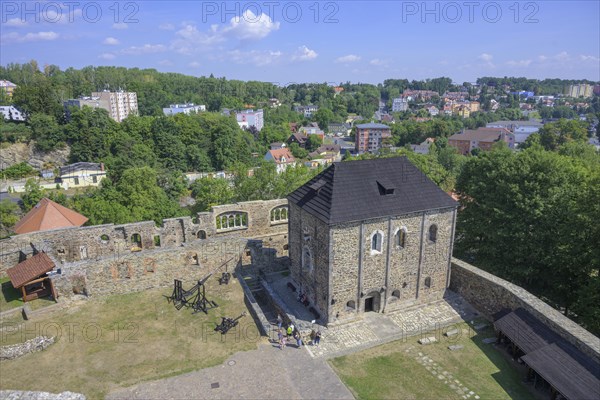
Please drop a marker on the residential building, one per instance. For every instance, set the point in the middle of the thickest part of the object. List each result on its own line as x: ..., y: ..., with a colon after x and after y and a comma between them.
x: 462, y: 110
x: 474, y: 106
x: 521, y: 129
x: 370, y: 236
x: 339, y: 129
x: 82, y: 174
x: 248, y: 118
x: 118, y: 104
x: 326, y: 154
x: 274, y: 103
x: 282, y: 158
x: 277, y: 145
x: 183, y: 108
x: 307, y: 111
x: 580, y: 90
x: 7, y: 87
x: 121, y: 104
x: 482, y: 138
x: 299, y: 138
x: 10, y: 113
x: 312, y: 130
x: 399, y: 104
x: 47, y: 215
x: 371, y: 137
x: 433, y: 110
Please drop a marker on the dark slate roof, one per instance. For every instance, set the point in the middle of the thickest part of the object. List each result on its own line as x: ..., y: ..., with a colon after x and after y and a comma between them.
x: 526, y: 331
x: 356, y: 190
x: 80, y: 166
x: 373, y: 125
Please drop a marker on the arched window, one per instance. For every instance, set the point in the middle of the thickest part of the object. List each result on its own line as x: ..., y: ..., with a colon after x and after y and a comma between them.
x: 396, y: 294
x: 232, y: 220
x: 136, y: 240
x: 201, y: 234
x: 351, y: 305
x: 279, y: 214
x: 400, y: 238
x: 307, y: 261
x: 428, y: 282
x: 433, y: 233
x: 376, y: 242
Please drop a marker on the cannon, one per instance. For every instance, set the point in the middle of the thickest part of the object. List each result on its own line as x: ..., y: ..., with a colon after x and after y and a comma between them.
x: 228, y: 323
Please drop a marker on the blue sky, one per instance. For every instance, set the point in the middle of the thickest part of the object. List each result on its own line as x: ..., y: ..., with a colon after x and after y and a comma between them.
x: 310, y: 41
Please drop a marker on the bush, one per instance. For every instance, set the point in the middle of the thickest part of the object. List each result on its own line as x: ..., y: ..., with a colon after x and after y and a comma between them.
x: 20, y: 170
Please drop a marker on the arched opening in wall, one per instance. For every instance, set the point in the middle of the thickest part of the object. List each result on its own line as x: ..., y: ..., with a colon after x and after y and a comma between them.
x: 307, y: 261
x: 279, y: 214
x: 395, y: 295
x: 156, y: 241
x: 351, y: 305
x: 433, y: 230
x: 400, y: 238
x: 286, y: 246
x: 201, y: 234
x: 372, y: 301
x: 376, y: 242
x: 428, y: 282
x: 231, y: 220
x: 136, y: 242
x: 104, y: 239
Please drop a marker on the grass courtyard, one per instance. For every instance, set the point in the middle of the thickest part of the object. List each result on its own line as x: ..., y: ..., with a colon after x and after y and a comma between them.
x: 391, y: 371
x: 117, y: 341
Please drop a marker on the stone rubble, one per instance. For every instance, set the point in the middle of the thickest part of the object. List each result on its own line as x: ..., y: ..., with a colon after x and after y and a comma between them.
x: 22, y: 395
x: 18, y: 350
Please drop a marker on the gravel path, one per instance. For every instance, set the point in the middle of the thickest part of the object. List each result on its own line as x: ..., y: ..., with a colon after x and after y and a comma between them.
x: 264, y: 373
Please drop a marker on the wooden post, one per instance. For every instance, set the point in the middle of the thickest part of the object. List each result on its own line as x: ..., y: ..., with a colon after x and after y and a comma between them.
x: 24, y: 293
x: 53, y: 290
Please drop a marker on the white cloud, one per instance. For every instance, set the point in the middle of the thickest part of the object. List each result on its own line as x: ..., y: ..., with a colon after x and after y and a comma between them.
x: 15, y: 37
x: 487, y: 60
x: 15, y: 22
x: 250, y: 26
x: 350, y: 58
x: 107, y: 56
x: 190, y: 40
x: 111, y: 41
x: 518, y: 63
x: 542, y: 58
x: 166, y: 63
x: 562, y: 56
x: 378, y: 62
x: 145, y: 49
x: 254, y: 57
x: 585, y: 58
x: 166, y: 27
x: 194, y: 64
x: 304, y: 54
x: 120, y: 25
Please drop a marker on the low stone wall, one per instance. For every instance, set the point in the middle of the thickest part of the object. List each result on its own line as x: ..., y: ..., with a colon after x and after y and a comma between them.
x: 490, y: 294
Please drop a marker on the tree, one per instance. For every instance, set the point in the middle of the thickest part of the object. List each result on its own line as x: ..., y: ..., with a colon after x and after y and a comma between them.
x: 313, y: 142
x: 46, y: 132
x: 324, y: 117
x: 33, y: 194
x: 8, y: 213
x: 209, y: 192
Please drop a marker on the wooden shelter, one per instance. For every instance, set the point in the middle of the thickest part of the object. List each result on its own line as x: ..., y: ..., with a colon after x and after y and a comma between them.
x: 31, y: 277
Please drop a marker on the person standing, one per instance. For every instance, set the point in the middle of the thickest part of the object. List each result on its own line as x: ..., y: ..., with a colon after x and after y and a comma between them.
x: 279, y: 321
x: 298, y: 339
x: 317, y: 337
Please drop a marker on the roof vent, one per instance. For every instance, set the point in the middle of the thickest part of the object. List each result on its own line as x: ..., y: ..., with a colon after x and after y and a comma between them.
x: 318, y: 185
x: 385, y: 186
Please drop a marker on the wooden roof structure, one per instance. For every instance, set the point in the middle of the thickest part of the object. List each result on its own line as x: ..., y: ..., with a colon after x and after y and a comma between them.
x: 569, y: 371
x: 30, y: 269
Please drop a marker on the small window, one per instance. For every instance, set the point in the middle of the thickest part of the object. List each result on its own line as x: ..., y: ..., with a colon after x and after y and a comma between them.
x: 396, y: 294
x: 307, y: 261
x: 376, y: 242
x: 136, y: 242
x: 428, y: 282
x: 156, y: 241
x: 351, y: 305
x: 104, y: 239
x: 400, y: 238
x: 433, y: 233
x: 76, y: 181
x: 201, y: 234
x: 94, y: 179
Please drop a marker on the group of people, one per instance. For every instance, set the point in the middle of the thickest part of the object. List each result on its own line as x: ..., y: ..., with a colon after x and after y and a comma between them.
x: 283, y: 335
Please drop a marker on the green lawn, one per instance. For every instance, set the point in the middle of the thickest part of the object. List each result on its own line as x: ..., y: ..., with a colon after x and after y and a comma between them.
x: 117, y: 341
x: 11, y: 297
x: 391, y: 371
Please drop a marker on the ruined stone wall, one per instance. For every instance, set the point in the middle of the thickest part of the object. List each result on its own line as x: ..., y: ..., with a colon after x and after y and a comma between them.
x: 309, y: 255
x: 105, y: 241
x: 137, y: 271
x: 490, y: 294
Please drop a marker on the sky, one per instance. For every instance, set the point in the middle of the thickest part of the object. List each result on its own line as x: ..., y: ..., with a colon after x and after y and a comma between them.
x: 311, y: 41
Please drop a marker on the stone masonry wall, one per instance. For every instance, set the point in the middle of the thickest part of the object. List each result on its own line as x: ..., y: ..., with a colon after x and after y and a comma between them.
x: 490, y: 294
x: 98, y: 242
x: 309, y: 256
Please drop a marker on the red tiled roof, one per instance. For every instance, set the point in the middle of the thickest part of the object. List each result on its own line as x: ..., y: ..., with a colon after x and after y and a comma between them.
x: 279, y: 153
x: 48, y: 215
x: 29, y: 269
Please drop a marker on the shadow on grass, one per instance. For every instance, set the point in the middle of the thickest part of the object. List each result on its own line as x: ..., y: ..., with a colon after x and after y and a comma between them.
x: 510, y: 374
x: 11, y: 297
